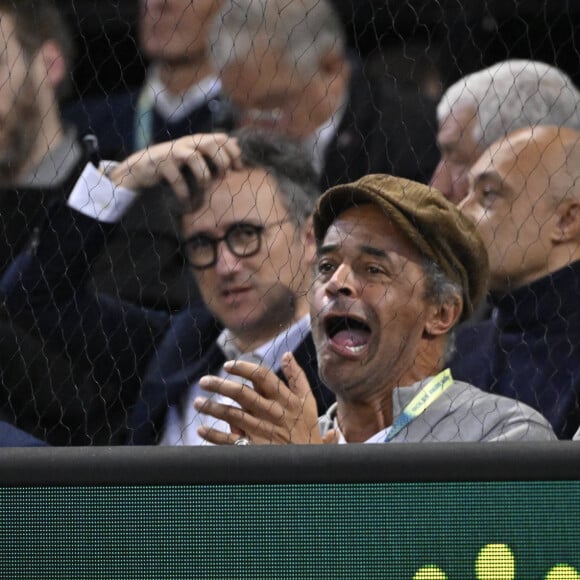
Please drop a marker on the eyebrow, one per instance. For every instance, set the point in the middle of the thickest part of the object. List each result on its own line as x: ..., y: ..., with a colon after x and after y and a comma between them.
x: 207, y: 233
x: 485, y: 176
x: 370, y: 250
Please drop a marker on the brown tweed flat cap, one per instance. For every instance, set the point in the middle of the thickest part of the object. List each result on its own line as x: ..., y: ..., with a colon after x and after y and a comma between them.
x: 434, y: 225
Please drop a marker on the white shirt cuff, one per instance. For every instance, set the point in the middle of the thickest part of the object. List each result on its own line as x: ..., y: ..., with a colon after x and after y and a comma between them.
x: 96, y: 196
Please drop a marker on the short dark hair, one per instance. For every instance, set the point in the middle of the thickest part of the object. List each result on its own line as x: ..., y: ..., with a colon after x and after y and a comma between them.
x: 288, y: 163
x: 36, y: 22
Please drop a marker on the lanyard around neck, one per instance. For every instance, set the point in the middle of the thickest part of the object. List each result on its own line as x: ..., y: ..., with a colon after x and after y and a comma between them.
x: 143, y: 129
x: 423, y: 399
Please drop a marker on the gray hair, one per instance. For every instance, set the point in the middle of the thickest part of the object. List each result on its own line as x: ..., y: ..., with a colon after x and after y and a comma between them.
x: 288, y: 163
x: 304, y: 30
x: 513, y: 94
x: 439, y: 290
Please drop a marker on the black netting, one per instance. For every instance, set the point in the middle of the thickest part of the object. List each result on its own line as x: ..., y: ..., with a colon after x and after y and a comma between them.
x: 136, y: 259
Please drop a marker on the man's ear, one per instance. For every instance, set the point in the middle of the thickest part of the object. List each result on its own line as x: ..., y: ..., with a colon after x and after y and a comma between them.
x: 567, y: 226
x: 54, y: 63
x: 443, y: 317
x: 309, y: 241
x: 332, y: 64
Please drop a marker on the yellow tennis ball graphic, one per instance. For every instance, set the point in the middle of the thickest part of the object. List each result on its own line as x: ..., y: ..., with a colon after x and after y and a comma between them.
x: 563, y: 572
x: 430, y: 573
x: 495, y: 562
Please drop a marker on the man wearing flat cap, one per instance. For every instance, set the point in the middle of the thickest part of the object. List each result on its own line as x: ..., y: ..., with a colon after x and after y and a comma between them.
x: 397, y: 267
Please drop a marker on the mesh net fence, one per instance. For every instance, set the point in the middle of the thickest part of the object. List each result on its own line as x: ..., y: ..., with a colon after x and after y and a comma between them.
x: 159, y: 163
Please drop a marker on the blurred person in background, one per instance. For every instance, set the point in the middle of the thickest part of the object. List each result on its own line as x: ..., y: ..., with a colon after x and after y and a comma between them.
x: 285, y: 66
x: 484, y: 106
x: 40, y: 160
x: 180, y: 94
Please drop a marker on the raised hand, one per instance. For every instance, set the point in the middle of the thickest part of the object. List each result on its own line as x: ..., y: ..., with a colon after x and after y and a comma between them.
x: 166, y: 161
x: 270, y: 413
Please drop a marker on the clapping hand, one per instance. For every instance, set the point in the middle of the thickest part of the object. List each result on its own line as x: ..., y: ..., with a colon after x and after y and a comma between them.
x: 270, y: 413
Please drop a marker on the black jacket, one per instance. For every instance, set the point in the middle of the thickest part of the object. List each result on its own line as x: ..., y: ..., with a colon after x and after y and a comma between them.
x: 383, y: 130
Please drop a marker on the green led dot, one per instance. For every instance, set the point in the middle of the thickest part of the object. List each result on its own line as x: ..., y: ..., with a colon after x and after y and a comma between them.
x: 495, y: 562
x: 430, y: 573
x: 563, y: 572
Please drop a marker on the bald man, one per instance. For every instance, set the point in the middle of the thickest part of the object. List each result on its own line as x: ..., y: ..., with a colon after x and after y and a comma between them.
x: 524, y: 198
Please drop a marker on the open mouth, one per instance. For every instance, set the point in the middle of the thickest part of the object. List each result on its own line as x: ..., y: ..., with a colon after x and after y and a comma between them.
x: 348, y: 333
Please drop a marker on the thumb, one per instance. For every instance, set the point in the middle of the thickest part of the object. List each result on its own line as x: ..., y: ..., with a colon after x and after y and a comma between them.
x: 331, y: 436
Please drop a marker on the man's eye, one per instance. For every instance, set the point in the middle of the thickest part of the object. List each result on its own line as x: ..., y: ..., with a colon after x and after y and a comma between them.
x: 488, y: 195
x: 241, y: 233
x: 199, y: 243
x: 325, y: 267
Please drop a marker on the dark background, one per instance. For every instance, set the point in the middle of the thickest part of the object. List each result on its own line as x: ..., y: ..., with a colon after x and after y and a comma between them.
x: 404, y: 36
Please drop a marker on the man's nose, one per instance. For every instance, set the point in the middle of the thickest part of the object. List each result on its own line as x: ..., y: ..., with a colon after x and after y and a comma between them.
x: 459, y: 186
x: 343, y: 281
x: 451, y: 180
x: 226, y: 261
x: 441, y: 179
x: 466, y: 206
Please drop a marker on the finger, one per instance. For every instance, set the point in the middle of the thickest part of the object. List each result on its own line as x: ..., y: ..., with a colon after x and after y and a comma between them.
x: 247, y: 398
x: 238, y: 432
x: 172, y: 174
x: 198, y: 167
x: 257, y: 430
x: 235, y: 417
x: 295, y: 375
x: 223, y: 151
x: 225, y: 156
x: 217, y: 437
x: 234, y: 153
x: 266, y: 382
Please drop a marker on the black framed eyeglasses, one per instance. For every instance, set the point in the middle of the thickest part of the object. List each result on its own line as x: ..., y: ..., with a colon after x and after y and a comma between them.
x: 242, y: 239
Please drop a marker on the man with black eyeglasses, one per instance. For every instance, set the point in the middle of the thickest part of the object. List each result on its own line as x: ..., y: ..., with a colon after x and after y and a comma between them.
x: 247, y: 235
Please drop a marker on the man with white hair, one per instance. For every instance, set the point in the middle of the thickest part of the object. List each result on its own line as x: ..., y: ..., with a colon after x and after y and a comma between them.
x: 284, y: 65
x: 485, y: 106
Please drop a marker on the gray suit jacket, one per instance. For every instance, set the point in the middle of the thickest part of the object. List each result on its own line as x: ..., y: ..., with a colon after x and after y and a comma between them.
x: 463, y: 413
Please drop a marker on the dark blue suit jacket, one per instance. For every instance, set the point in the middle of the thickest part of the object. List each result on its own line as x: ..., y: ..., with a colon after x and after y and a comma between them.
x: 144, y: 360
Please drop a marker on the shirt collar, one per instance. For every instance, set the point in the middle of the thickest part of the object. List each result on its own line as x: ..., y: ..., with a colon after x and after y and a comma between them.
x: 177, y: 107
x: 270, y: 353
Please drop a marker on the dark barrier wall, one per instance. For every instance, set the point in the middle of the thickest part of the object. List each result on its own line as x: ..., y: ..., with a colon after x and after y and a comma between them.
x: 421, y: 512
